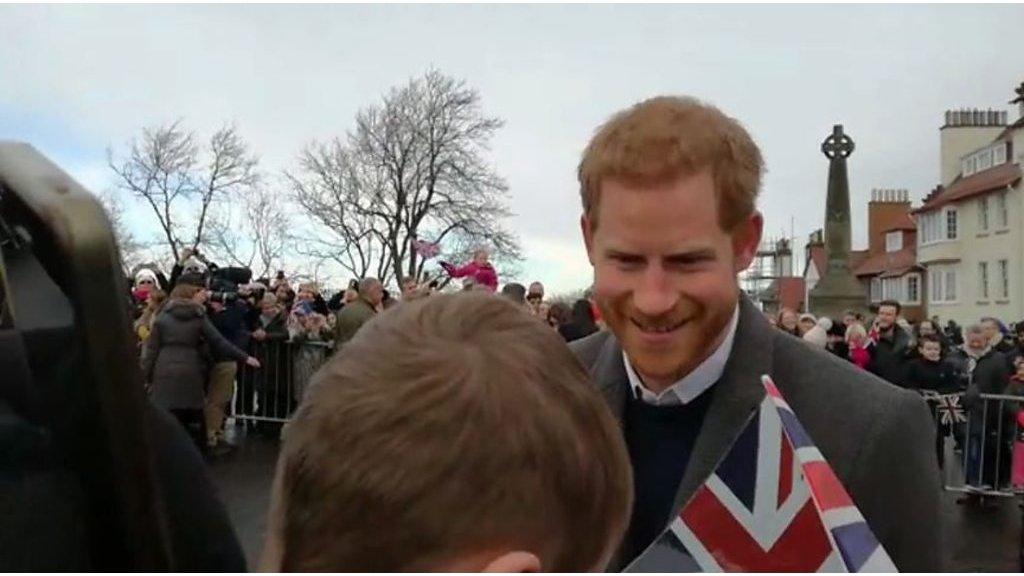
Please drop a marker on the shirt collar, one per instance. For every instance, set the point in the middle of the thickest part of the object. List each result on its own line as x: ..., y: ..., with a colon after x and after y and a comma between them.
x: 693, y: 384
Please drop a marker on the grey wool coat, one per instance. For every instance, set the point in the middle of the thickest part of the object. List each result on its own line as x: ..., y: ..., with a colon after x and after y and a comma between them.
x: 175, y: 360
x: 879, y: 439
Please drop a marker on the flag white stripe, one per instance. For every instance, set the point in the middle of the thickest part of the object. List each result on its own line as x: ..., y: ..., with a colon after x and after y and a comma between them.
x: 841, y: 517
x: 696, y: 548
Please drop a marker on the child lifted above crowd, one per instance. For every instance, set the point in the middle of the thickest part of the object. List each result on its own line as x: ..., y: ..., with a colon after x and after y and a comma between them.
x: 454, y: 433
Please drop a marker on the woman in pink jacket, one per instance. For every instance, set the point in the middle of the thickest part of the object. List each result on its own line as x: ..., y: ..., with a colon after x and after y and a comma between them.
x: 480, y: 270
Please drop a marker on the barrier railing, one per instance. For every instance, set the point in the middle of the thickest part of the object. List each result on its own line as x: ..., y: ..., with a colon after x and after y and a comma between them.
x: 979, y: 444
x: 272, y: 392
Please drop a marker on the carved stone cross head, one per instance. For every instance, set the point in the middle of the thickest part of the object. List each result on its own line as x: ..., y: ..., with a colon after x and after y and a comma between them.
x: 837, y: 144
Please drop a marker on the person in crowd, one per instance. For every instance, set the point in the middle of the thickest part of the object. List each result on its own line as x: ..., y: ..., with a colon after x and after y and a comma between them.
x: 309, y: 336
x: 818, y: 334
x: 270, y: 340
x: 359, y: 311
x: 669, y: 220
x: 859, y: 348
x: 515, y: 292
x: 452, y: 485
x: 413, y: 290
x: 535, y: 299
x: 310, y: 292
x: 929, y: 371
x: 837, y: 341
x: 892, y: 345
x: 930, y: 328
x: 285, y: 295
x: 932, y: 376
x: 582, y: 323
x: 954, y: 334
x: 807, y: 321
x: 173, y: 360
x: 155, y: 300
x: 229, y: 316
x: 145, y: 282
x: 850, y: 317
x: 988, y: 373
x: 789, y: 322
x: 559, y: 314
x: 479, y: 270
x: 997, y: 335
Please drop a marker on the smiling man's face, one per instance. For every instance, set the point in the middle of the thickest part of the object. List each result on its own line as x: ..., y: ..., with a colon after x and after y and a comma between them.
x: 665, y: 272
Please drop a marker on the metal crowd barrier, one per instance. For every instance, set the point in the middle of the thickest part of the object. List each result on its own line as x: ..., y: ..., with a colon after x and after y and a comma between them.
x: 272, y: 392
x: 979, y: 444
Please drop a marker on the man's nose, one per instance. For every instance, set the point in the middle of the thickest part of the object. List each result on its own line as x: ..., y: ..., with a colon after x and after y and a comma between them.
x: 655, y: 295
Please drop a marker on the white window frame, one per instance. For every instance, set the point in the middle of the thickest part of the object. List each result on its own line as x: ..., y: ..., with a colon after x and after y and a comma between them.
x: 942, y: 288
x: 1004, y: 279
x: 935, y: 276
x: 1002, y: 211
x: 949, y: 285
x: 912, y: 296
x: 894, y: 241
x: 983, y: 281
x: 892, y: 289
x: 999, y: 154
x: 950, y: 233
x: 876, y: 289
x: 983, y: 214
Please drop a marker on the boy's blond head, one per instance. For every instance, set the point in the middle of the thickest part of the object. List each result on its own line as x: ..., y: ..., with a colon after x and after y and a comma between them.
x: 451, y: 426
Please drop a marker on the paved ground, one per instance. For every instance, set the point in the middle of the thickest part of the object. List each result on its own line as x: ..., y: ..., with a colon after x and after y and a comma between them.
x: 976, y: 539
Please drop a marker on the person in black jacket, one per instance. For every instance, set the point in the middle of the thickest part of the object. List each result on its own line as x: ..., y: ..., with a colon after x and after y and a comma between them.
x: 934, y: 377
x: 989, y: 374
x: 892, y: 345
x: 582, y: 323
x: 271, y: 346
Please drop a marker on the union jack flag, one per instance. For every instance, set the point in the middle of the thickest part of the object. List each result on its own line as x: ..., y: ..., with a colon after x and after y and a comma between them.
x: 426, y: 249
x: 772, y: 505
x: 947, y: 406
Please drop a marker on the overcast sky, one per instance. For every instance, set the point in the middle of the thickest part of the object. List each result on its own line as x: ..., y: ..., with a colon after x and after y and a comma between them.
x: 75, y: 80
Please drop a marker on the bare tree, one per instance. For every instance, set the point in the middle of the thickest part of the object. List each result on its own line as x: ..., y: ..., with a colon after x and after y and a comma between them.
x: 413, y: 168
x: 181, y: 183
x: 128, y: 245
x: 256, y: 238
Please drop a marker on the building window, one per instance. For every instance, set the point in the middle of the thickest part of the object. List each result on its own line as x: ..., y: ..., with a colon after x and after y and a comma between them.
x: 983, y: 280
x: 913, y: 289
x: 876, y: 289
x: 942, y: 282
x: 983, y: 214
x: 951, y: 224
x: 1002, y: 211
x: 1004, y: 279
x: 1000, y: 154
x: 892, y: 289
x: 935, y: 227
x: 894, y: 241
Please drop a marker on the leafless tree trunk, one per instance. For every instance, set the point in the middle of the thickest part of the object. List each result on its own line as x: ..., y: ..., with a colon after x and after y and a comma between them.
x: 182, y: 185
x: 414, y: 167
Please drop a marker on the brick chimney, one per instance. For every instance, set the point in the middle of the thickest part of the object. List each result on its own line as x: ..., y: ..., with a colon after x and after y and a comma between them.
x: 888, y: 209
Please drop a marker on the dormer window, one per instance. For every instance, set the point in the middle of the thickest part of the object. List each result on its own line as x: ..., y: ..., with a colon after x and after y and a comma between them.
x: 894, y: 241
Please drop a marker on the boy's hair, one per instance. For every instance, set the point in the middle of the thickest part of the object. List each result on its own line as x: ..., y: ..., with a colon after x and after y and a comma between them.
x: 451, y: 426
x: 925, y: 338
x: 667, y: 137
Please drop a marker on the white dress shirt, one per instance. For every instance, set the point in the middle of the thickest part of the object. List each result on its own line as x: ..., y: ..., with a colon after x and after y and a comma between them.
x: 693, y: 384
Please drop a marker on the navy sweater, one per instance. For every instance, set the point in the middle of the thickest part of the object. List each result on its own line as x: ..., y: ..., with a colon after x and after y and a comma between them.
x: 660, y: 440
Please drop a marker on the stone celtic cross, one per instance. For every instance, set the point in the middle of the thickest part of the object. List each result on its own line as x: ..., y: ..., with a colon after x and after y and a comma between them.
x: 837, y: 144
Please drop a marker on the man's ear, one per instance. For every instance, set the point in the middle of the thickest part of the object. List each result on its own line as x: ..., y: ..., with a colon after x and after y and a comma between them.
x: 513, y: 562
x: 746, y: 237
x: 588, y: 237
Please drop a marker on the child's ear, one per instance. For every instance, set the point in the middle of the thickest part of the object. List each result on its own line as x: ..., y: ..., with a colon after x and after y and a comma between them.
x: 512, y: 562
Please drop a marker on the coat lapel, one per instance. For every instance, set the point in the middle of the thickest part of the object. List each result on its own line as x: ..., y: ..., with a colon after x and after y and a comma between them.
x: 736, y: 395
x: 609, y: 372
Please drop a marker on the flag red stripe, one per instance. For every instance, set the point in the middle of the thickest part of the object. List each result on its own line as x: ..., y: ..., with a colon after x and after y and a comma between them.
x: 825, y: 486
x: 785, y: 470
x: 802, y: 547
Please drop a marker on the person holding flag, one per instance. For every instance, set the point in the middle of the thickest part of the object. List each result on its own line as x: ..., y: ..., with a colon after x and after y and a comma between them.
x: 669, y: 220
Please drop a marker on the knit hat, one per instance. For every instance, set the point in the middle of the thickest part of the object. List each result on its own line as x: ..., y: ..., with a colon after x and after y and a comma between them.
x: 145, y: 274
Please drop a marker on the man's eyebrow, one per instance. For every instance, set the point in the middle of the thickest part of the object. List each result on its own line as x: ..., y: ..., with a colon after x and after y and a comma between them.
x: 688, y: 257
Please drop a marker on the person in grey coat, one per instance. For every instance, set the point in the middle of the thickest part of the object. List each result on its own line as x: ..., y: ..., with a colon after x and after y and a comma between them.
x: 669, y: 192
x: 175, y: 361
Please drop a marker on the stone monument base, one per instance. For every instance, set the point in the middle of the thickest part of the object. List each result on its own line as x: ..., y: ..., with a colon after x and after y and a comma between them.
x: 834, y: 295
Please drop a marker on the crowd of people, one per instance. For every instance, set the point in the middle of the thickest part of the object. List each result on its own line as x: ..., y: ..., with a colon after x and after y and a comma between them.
x: 209, y: 336
x: 984, y: 358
